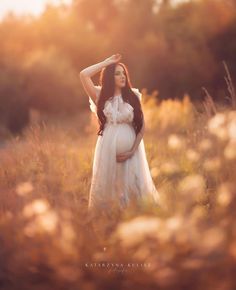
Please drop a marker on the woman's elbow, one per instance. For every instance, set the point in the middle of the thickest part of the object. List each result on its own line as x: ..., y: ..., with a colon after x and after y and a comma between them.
x: 82, y: 74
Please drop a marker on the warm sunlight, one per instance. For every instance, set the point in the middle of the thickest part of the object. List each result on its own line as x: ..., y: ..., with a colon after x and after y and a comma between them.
x: 117, y: 144
x: 26, y: 6
x: 179, y: 1
x: 37, y: 6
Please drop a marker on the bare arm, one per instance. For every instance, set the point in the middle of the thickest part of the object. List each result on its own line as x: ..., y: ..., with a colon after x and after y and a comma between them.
x: 124, y: 156
x: 139, y: 137
x: 88, y: 72
x: 141, y: 132
x: 85, y: 77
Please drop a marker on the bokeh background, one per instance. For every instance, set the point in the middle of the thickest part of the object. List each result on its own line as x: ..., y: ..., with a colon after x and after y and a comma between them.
x: 181, y: 56
x: 175, y: 47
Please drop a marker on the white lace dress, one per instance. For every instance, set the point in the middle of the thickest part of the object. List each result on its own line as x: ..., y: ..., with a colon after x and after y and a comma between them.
x: 114, y: 181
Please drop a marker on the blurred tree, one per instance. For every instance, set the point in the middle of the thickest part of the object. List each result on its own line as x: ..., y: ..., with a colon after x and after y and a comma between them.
x: 175, y: 49
x: 98, y: 14
x: 53, y: 83
x: 14, y: 102
x: 227, y: 51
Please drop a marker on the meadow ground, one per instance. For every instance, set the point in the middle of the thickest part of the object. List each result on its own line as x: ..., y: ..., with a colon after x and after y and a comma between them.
x: 47, y: 241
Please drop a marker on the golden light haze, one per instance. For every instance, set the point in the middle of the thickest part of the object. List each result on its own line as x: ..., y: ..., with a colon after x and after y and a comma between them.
x: 36, y: 7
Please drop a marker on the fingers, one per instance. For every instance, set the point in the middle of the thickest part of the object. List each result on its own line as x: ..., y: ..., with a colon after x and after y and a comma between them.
x: 121, y: 155
x: 124, y: 154
x: 123, y: 160
x: 118, y: 56
x: 120, y: 159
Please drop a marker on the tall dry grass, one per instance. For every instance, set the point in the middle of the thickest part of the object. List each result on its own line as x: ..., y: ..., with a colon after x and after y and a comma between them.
x: 47, y: 242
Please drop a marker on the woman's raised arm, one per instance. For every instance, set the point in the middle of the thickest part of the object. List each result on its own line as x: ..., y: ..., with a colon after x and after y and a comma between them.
x: 85, y: 77
x: 88, y: 72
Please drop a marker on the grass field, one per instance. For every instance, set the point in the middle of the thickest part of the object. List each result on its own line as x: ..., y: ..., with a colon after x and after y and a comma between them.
x: 47, y: 241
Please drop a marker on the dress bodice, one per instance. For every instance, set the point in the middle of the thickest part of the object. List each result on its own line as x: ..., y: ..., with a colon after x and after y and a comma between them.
x: 116, y: 109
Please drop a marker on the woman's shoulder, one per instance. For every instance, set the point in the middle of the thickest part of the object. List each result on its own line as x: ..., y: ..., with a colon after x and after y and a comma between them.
x: 137, y: 92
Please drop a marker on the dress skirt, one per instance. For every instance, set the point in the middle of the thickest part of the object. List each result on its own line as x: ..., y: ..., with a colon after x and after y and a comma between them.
x: 116, y: 183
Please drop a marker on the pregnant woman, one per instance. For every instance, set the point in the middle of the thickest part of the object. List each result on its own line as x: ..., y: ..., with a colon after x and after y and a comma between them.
x: 120, y: 168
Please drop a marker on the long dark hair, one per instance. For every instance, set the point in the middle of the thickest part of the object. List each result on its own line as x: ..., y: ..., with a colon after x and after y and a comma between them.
x: 107, y: 83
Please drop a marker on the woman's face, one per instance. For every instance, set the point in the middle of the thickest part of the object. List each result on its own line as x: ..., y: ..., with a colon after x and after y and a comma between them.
x: 120, y: 77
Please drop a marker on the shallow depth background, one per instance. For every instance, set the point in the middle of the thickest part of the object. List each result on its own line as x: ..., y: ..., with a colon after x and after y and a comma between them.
x: 182, y: 60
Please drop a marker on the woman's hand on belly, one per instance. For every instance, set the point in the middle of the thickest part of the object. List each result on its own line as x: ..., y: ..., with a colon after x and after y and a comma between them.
x: 124, y: 156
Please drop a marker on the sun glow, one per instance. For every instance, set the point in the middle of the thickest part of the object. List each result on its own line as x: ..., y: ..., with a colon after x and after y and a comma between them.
x: 36, y: 7
x: 20, y: 7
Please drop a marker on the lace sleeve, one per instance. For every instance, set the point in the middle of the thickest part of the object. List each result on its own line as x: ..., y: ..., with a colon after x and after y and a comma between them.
x: 138, y: 93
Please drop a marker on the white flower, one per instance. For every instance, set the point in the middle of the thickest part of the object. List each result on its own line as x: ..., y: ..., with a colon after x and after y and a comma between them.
x: 136, y: 230
x: 175, y: 142
x: 192, y: 186
x: 230, y: 150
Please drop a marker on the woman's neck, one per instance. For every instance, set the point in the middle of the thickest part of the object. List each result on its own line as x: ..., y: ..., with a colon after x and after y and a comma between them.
x: 117, y: 92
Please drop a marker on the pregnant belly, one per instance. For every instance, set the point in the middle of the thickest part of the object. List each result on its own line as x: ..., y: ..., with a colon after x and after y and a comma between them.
x: 125, y: 138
